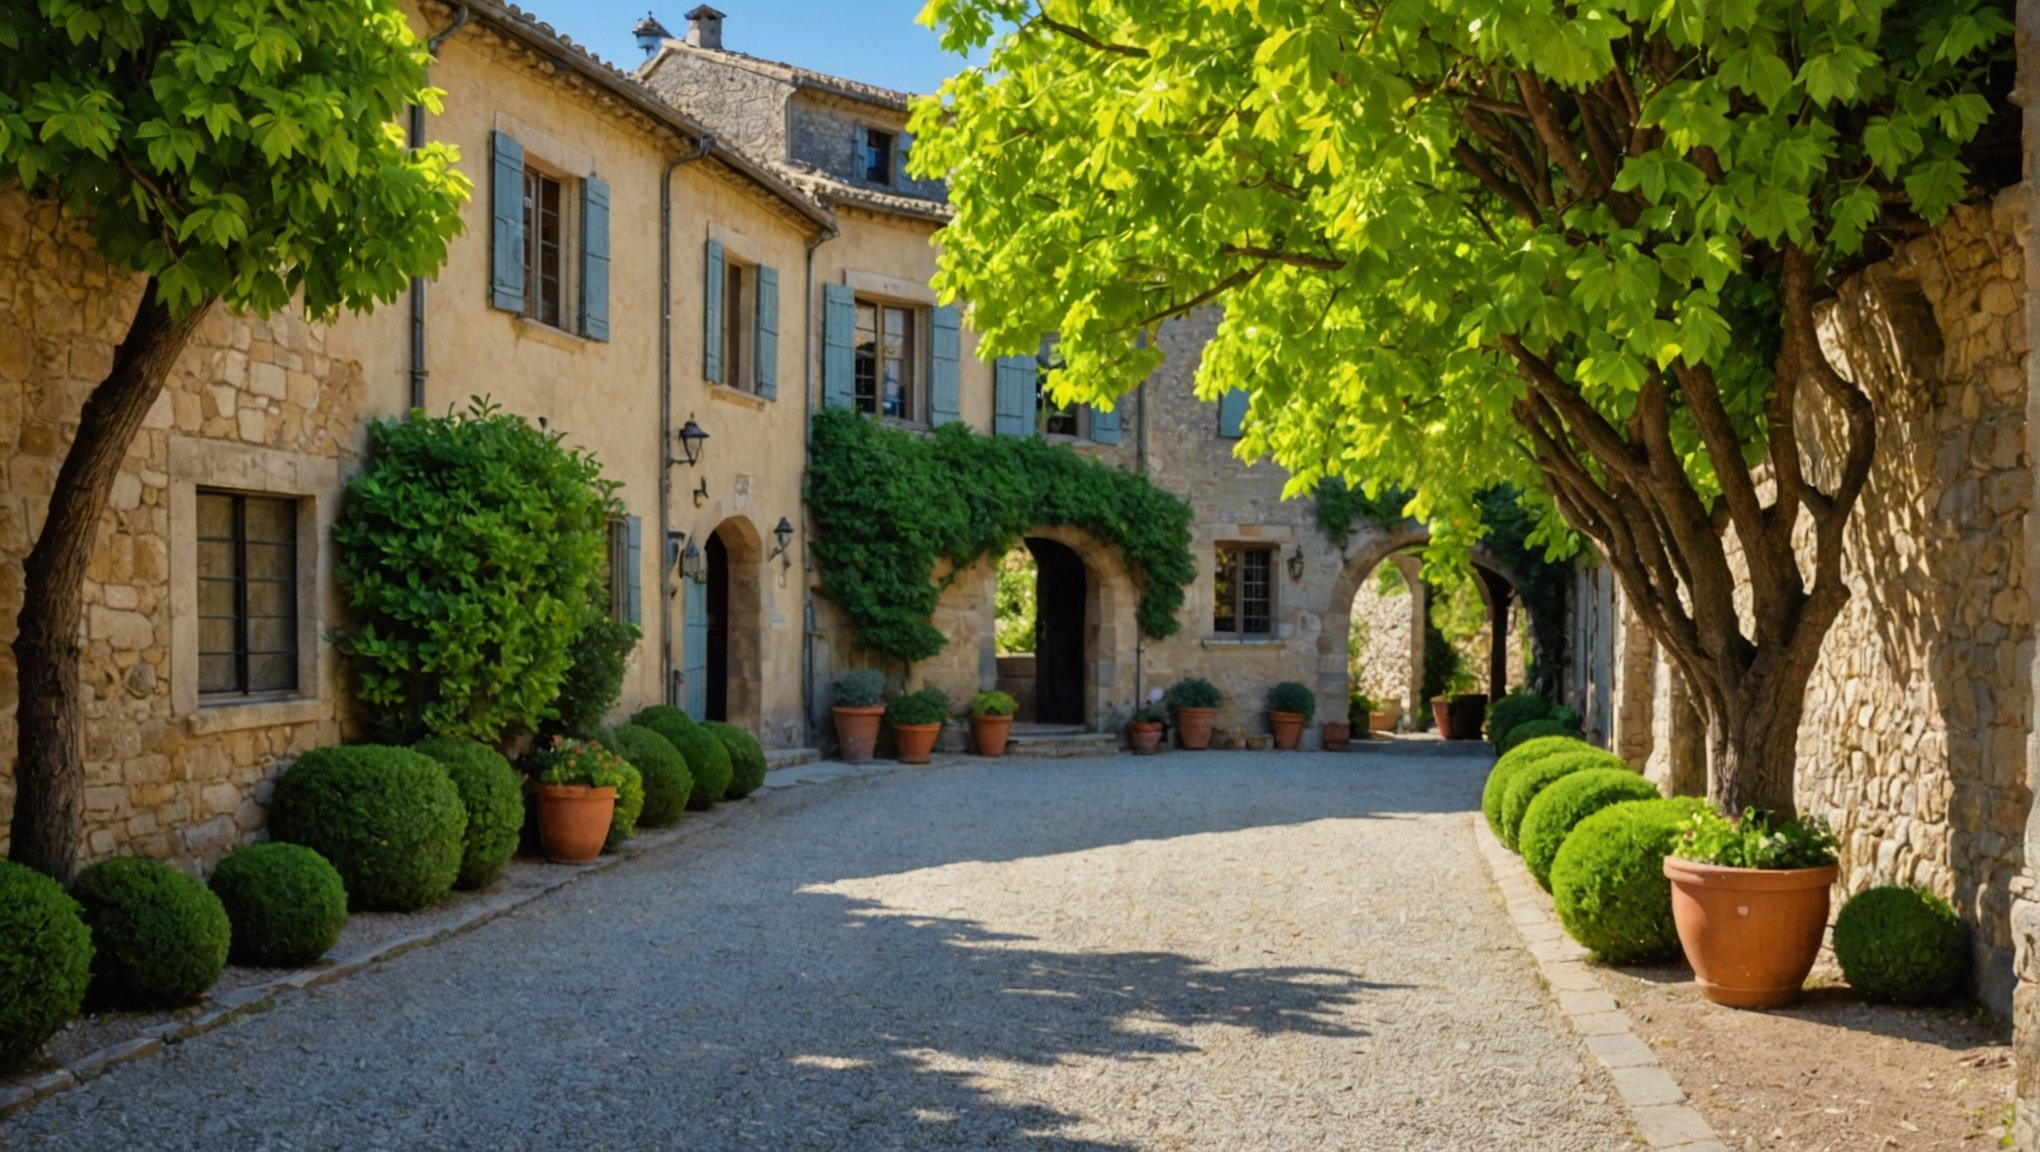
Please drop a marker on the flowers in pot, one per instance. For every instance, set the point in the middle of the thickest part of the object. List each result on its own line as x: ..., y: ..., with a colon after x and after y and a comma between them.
x: 916, y: 720
x: 576, y: 783
x: 857, y: 701
x: 1145, y: 729
x: 1290, y: 707
x: 1750, y: 899
x: 1195, y: 702
x: 991, y: 721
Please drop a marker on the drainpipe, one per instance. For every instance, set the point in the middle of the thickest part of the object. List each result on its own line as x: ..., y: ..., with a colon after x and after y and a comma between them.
x: 1141, y: 439
x: 418, y: 373
x: 807, y: 433
x: 664, y: 455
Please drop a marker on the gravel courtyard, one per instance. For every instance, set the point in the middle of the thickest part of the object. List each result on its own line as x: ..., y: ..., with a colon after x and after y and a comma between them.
x: 1231, y: 951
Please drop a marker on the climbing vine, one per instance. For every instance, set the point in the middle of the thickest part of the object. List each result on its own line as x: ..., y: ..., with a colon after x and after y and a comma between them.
x: 890, y: 506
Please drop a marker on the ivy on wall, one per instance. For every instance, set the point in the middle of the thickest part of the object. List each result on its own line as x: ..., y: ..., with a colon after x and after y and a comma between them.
x: 891, y: 505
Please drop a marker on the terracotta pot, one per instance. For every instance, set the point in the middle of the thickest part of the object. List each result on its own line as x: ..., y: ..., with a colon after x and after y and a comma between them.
x: 857, y: 731
x: 1383, y: 721
x: 1288, y: 729
x: 573, y: 820
x: 1469, y: 714
x: 1193, y: 727
x: 1146, y: 737
x: 1751, y: 934
x: 990, y: 734
x: 1441, y: 717
x: 916, y: 741
x: 1338, y: 735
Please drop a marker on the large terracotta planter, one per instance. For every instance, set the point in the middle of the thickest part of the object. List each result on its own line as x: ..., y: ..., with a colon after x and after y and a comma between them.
x: 1751, y: 934
x: 1469, y: 715
x: 573, y: 820
x: 1338, y: 735
x: 1441, y: 717
x: 1288, y: 729
x: 1382, y: 721
x: 990, y: 734
x: 1193, y: 727
x: 1145, y: 736
x: 916, y: 741
x: 857, y: 731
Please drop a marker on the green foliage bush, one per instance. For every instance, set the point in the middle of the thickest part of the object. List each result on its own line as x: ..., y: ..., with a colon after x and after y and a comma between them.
x: 1903, y: 946
x: 594, y: 678
x: 286, y: 904
x: 666, y: 778
x: 389, y: 820
x: 45, y: 961
x: 709, y: 762
x: 993, y: 704
x: 1534, y: 729
x: 1289, y: 696
x: 928, y: 706
x: 859, y: 688
x: 630, y: 802
x: 1535, y: 778
x: 890, y: 505
x: 747, y: 759
x: 1518, y: 707
x: 1193, y: 692
x: 1516, y: 759
x: 492, y: 795
x: 666, y: 721
x: 1564, y: 803
x: 472, y: 550
x: 159, y: 937
x: 1753, y: 841
x: 1608, y: 880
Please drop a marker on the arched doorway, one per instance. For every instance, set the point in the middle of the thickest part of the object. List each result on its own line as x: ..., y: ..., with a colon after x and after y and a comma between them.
x: 717, y: 704
x: 725, y: 628
x: 1061, y: 635
x: 1063, y: 625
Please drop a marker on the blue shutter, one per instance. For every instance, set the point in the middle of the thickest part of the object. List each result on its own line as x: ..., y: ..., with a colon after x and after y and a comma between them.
x: 1015, y: 379
x: 506, y: 230
x: 945, y: 403
x: 711, y: 337
x: 1105, y: 425
x: 635, y: 596
x: 594, y: 259
x: 694, y: 648
x: 1232, y: 413
x: 839, y: 346
x: 765, y: 361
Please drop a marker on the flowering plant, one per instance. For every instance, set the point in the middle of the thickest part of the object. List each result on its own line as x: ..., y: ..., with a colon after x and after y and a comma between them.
x: 564, y: 760
x: 1752, y: 841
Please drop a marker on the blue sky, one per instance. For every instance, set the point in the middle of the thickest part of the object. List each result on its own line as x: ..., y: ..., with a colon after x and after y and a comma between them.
x: 875, y: 41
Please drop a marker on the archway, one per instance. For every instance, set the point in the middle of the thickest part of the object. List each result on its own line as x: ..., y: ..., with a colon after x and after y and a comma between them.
x: 1062, y: 618
x: 733, y: 645
x: 1061, y: 637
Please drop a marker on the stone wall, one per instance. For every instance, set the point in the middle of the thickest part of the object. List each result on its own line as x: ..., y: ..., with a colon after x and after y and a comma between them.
x: 827, y: 133
x: 1386, y: 621
x: 746, y: 106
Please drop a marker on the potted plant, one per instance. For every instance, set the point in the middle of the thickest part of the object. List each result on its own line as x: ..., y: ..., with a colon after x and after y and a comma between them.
x: 575, y: 785
x: 1145, y: 730
x: 991, y: 721
x: 1459, y: 711
x: 1336, y: 735
x: 1750, y: 900
x: 1290, y: 707
x: 858, y: 701
x: 1195, y: 702
x: 916, y: 720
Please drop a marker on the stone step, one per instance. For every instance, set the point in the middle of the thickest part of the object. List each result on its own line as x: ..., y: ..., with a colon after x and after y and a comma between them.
x: 1061, y: 745
x: 780, y: 758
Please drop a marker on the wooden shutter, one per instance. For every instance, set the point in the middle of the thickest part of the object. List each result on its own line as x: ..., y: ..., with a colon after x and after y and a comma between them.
x: 594, y: 259
x: 1232, y: 413
x: 694, y: 647
x: 506, y: 230
x: 711, y: 337
x: 765, y: 360
x: 1105, y: 425
x: 839, y: 345
x: 634, y: 567
x: 1014, y: 381
x: 945, y: 365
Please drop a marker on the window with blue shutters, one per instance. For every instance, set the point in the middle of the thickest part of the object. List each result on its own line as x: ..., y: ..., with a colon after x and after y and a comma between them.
x: 945, y: 363
x: 1232, y: 413
x: 1105, y: 425
x: 1016, y: 383
x: 506, y: 224
x: 765, y: 358
x: 594, y: 259
x: 839, y: 345
x: 626, y: 567
x: 714, y: 306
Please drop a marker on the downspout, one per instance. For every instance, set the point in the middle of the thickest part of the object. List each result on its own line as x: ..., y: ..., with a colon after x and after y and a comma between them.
x: 418, y: 372
x: 807, y: 434
x: 669, y: 687
x: 1140, y: 637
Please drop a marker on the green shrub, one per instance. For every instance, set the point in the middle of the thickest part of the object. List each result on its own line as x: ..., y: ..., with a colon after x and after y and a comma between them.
x: 630, y: 801
x: 862, y: 688
x: 1752, y: 841
x: 1534, y: 730
x: 928, y: 706
x: 1289, y: 696
x: 388, y: 819
x: 1360, y: 709
x: 710, y: 764
x: 594, y: 678
x: 287, y: 905
x: 492, y: 795
x: 747, y: 759
x: 666, y: 778
x: 666, y: 721
x: 1518, y: 707
x: 45, y: 962
x: 1193, y: 692
x: 1535, y: 778
x: 1505, y: 769
x: 1903, y: 946
x: 1608, y: 881
x: 159, y: 937
x: 1567, y: 802
x: 993, y: 704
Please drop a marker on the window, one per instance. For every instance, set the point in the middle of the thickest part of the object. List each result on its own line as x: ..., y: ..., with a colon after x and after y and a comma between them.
x: 545, y: 257
x: 247, y: 594
x: 878, y: 156
x: 735, y: 328
x: 885, y: 373
x: 621, y: 572
x: 1050, y: 418
x: 1244, y: 591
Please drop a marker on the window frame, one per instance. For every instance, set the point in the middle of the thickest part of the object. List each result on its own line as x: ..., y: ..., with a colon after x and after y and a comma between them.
x: 739, y: 324
x: 914, y: 375
x: 566, y: 248
x: 1229, y: 590
x: 1045, y: 413
x: 891, y: 158
x: 241, y: 617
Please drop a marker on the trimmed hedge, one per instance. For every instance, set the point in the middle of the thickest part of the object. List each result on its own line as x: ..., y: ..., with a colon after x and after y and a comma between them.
x: 671, y: 723
x: 1903, y: 946
x: 492, y: 794
x: 286, y: 903
x: 667, y: 781
x: 1535, y: 778
x: 159, y: 937
x: 1608, y: 882
x: 1516, y: 760
x: 1535, y: 729
x: 630, y: 802
x: 1564, y: 804
x: 709, y: 761
x: 389, y: 820
x: 747, y: 759
x: 1504, y: 715
x: 45, y: 961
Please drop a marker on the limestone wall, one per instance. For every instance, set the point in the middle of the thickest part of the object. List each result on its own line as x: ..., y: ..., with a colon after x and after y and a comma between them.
x: 1385, y: 623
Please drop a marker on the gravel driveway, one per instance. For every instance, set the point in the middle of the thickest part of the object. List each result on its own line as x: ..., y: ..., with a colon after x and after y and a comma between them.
x: 1232, y: 951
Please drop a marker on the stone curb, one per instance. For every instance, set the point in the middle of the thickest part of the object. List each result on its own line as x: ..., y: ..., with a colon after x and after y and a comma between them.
x: 228, y: 1007
x: 1664, y: 1118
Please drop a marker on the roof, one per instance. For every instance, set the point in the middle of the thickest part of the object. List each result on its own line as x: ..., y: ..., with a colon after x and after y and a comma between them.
x: 650, y: 26
x: 836, y: 190
x: 801, y: 78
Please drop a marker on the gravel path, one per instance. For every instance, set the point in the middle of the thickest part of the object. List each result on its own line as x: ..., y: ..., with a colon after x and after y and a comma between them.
x: 1231, y: 951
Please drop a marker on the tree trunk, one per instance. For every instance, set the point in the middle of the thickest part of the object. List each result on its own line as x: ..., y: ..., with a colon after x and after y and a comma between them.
x: 49, y: 766
x: 1753, y: 746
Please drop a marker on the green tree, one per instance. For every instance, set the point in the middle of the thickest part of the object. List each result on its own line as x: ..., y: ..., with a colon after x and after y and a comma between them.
x: 1572, y: 247
x: 229, y: 152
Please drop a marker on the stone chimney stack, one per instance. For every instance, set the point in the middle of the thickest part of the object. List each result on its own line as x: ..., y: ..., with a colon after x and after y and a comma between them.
x: 704, y: 28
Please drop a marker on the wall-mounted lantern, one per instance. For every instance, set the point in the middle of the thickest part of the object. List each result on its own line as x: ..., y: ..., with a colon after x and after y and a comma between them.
x: 784, y: 534
x: 692, y: 438
x: 1296, y: 565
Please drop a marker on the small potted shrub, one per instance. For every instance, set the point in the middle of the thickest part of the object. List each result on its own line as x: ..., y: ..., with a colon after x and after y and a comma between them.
x: 916, y: 720
x: 576, y: 784
x: 991, y: 721
x: 1290, y: 707
x: 1195, y: 703
x: 858, y: 702
x: 1145, y: 730
x: 1750, y: 899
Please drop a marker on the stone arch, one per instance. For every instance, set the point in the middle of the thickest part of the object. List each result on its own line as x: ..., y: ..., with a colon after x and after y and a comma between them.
x: 736, y: 601
x: 1110, y: 623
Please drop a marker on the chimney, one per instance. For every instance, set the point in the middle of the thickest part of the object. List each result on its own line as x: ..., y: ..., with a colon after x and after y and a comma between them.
x: 704, y: 28
x: 650, y: 34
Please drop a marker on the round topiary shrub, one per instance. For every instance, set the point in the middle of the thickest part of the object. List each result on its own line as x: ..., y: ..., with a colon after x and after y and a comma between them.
x: 1535, y: 778
x: 388, y: 819
x: 492, y: 795
x: 1903, y: 946
x: 45, y: 961
x: 1608, y: 881
x: 1518, y: 758
x: 747, y: 759
x: 1533, y: 730
x: 159, y: 937
x: 287, y: 905
x: 709, y: 762
x: 1517, y: 708
x: 630, y: 802
x: 1564, y: 804
x: 667, y: 781
x: 671, y: 723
